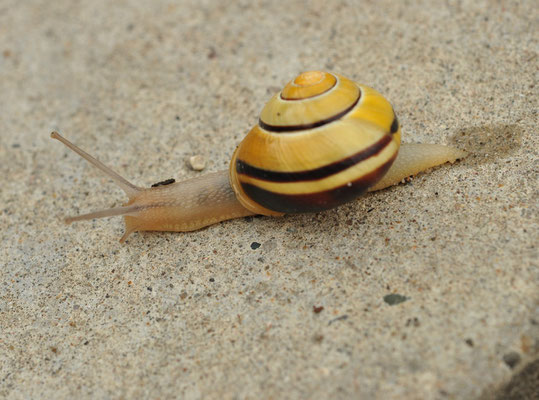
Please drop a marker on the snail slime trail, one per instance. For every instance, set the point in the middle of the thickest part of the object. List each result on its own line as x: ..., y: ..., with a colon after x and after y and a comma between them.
x: 350, y: 130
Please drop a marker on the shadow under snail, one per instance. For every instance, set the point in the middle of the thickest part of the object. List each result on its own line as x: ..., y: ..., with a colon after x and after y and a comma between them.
x: 320, y: 142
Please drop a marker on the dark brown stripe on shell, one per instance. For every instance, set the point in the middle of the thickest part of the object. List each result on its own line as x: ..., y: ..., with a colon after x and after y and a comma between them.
x: 394, y: 125
x: 310, y: 97
x: 314, y: 202
x: 303, y: 127
x: 314, y: 174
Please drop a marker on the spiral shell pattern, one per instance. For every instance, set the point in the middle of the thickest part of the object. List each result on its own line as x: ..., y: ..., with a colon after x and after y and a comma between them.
x: 320, y: 142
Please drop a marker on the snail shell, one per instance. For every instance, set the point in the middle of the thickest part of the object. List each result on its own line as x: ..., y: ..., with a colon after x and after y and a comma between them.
x: 321, y: 142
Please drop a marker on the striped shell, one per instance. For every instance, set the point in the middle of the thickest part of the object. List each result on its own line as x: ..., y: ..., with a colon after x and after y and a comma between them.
x: 321, y: 142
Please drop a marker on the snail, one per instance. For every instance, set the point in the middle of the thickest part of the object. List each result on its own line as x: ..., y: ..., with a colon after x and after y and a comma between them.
x: 320, y: 142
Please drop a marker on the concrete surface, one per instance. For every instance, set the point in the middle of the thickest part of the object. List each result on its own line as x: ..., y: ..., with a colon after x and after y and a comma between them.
x: 146, y: 85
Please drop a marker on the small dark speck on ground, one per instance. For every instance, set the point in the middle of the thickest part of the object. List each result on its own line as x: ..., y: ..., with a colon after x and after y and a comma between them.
x: 341, y: 318
x: 511, y: 359
x: 413, y: 322
x: 212, y: 53
x: 255, y: 245
x: 394, y: 298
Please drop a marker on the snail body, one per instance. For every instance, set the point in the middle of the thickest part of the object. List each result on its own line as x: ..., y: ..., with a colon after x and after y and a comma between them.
x: 322, y: 141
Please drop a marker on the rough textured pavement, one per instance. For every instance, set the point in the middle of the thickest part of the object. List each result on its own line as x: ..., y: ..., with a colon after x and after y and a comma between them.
x: 306, y: 306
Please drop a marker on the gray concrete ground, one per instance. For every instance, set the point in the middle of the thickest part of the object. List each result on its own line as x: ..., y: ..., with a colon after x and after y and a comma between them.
x: 208, y: 314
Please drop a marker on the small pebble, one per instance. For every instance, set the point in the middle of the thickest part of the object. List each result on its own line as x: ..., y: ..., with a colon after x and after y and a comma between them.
x: 197, y: 163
